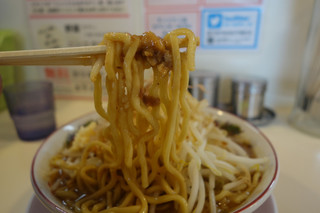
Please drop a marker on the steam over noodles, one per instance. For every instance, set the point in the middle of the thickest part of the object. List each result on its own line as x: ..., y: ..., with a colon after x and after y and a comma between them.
x: 155, y: 148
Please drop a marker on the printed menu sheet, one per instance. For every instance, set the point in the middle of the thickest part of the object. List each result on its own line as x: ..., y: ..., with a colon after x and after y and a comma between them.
x: 59, y: 23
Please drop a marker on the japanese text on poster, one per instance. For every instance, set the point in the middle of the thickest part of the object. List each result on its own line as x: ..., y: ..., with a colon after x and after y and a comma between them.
x: 58, y: 23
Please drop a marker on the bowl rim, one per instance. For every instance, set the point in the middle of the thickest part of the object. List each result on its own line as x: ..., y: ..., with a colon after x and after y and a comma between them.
x: 42, y: 197
x: 49, y: 204
x: 275, y: 176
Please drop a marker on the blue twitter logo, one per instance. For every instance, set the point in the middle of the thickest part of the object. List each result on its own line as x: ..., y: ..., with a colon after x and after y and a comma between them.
x: 215, y: 21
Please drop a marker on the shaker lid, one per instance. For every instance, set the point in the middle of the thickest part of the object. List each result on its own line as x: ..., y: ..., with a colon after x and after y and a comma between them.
x: 251, y: 83
x: 204, y: 74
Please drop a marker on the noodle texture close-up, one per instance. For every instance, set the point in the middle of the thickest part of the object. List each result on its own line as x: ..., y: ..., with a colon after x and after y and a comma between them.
x: 154, y: 147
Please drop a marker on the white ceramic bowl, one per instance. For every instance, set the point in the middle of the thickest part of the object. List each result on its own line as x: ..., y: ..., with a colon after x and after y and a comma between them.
x: 54, y: 143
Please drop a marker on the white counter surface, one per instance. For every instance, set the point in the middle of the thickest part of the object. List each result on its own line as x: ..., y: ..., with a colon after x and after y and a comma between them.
x: 298, y: 188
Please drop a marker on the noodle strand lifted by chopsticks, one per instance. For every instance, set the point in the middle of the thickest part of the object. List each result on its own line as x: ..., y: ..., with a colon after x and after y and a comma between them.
x: 157, y: 149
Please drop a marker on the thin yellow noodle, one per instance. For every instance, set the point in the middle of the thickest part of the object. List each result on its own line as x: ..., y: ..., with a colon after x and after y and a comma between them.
x: 66, y: 194
x: 65, y: 165
x: 154, y: 165
x: 109, y: 60
x: 127, y: 200
x: 99, y: 206
x: 135, y: 190
x: 167, y: 198
x: 85, y: 206
x: 85, y: 177
x: 98, y: 64
x: 128, y: 209
x: 173, y: 111
x: 109, y: 199
x: 127, y: 140
x: 166, y: 187
x: 101, y: 191
x: 98, y: 97
x: 223, y: 194
x: 125, y: 38
x: 141, y: 150
x: 131, y: 123
x: 154, y: 189
x: 128, y: 62
x: 184, y: 105
x: 116, y: 193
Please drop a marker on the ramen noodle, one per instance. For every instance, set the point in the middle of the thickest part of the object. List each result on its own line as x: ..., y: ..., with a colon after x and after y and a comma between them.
x: 154, y: 148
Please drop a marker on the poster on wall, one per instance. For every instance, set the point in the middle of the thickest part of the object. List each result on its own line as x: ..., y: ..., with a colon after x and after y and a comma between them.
x: 58, y: 23
x: 164, y: 16
x: 230, y: 28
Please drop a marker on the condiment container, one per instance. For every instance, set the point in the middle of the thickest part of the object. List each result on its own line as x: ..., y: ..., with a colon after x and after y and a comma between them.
x: 248, y: 96
x: 204, y: 85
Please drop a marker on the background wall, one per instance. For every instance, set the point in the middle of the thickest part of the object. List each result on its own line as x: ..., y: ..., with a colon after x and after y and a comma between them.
x: 284, y: 32
x: 283, y: 35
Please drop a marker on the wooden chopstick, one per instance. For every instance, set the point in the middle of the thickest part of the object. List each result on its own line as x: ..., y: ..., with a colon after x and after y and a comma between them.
x: 58, y: 56
x: 49, y: 61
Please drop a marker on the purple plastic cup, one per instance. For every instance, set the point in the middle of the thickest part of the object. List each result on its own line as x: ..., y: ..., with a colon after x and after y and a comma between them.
x: 31, y: 107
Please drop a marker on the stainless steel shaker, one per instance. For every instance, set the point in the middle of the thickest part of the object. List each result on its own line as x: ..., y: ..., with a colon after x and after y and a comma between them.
x: 204, y: 85
x: 248, y: 96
